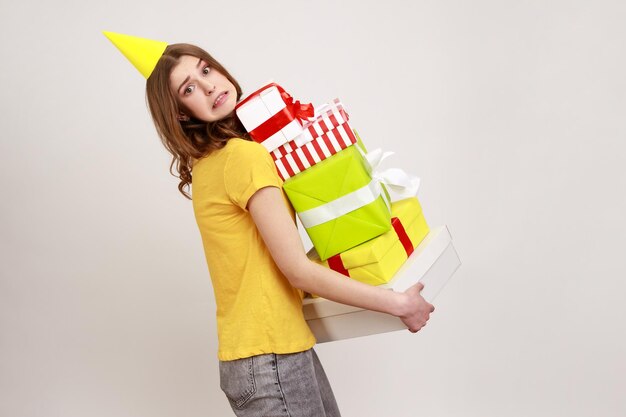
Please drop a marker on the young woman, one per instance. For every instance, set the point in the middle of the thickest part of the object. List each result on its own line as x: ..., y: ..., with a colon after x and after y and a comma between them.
x: 256, y: 260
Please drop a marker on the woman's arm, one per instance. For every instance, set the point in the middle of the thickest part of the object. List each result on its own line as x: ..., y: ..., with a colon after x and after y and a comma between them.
x: 281, y: 236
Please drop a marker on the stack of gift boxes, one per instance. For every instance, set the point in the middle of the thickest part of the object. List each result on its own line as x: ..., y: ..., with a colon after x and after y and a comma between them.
x: 336, y: 187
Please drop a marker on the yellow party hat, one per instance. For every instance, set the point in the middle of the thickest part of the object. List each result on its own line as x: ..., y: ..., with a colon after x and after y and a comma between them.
x: 142, y: 53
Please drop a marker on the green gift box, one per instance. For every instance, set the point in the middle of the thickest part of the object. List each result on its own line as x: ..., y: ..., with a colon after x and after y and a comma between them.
x: 338, y: 202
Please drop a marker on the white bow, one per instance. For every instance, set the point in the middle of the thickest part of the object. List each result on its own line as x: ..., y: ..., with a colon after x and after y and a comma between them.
x: 402, y: 184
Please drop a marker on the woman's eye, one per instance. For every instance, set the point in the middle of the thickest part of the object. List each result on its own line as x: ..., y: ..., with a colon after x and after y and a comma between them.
x: 189, y: 89
x: 206, y: 70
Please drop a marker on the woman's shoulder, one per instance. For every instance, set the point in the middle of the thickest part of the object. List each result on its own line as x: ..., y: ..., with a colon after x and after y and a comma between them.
x: 243, y: 148
x: 240, y: 143
x: 233, y: 145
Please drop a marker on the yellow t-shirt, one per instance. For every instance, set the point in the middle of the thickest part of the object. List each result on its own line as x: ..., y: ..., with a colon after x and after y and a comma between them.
x: 258, y: 311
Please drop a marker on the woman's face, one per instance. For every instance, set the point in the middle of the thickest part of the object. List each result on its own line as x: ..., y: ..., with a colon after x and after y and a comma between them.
x: 201, y: 91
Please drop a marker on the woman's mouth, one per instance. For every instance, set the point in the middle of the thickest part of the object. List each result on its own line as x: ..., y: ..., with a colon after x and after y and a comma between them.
x: 220, y: 99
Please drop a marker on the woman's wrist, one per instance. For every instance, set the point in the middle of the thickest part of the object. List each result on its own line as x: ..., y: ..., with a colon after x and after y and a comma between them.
x: 399, y: 304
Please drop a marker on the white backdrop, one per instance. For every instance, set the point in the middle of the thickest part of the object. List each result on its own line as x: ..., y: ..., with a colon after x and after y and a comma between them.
x: 511, y: 112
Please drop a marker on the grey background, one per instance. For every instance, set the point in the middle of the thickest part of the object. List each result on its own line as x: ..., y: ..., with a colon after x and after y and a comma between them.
x: 511, y: 112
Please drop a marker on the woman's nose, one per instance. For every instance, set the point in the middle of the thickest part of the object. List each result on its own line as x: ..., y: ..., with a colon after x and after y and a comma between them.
x: 208, y: 88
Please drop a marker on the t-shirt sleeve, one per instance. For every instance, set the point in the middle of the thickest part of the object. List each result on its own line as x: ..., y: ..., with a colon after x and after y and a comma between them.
x: 248, y: 169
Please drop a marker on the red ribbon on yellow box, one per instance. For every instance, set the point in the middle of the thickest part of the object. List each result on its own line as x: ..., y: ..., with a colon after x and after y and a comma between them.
x: 403, y: 236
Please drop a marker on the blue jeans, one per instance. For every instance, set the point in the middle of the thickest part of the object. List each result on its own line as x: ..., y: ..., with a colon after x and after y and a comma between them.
x: 271, y: 385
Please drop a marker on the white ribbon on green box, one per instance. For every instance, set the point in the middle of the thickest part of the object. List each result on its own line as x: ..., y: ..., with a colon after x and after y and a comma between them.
x: 403, y: 185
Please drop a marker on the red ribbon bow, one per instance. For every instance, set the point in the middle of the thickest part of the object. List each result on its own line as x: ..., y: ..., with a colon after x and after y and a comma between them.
x: 301, y: 111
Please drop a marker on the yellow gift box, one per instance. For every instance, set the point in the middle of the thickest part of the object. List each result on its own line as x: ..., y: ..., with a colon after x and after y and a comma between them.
x: 376, y: 261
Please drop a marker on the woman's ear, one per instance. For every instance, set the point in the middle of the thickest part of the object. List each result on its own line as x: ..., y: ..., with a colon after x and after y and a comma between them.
x: 182, y: 117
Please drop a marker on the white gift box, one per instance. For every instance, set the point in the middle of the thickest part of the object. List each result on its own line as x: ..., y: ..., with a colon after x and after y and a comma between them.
x: 261, y: 106
x: 433, y: 263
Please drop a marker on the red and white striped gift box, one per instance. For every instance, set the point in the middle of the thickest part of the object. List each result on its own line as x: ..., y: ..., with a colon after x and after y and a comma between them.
x: 327, y: 117
x: 330, y: 134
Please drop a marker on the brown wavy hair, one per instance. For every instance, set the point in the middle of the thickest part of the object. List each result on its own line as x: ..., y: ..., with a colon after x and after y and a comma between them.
x: 193, y: 139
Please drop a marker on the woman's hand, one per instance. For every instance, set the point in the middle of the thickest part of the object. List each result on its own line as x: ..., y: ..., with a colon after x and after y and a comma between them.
x: 417, y: 309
